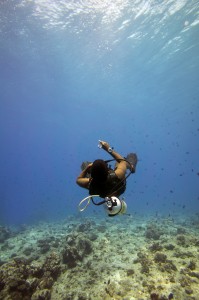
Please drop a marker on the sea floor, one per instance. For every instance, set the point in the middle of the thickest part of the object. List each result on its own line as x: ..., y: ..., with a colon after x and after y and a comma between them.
x: 127, y: 257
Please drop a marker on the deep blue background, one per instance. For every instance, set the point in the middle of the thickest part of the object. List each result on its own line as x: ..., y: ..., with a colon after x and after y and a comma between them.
x: 71, y: 73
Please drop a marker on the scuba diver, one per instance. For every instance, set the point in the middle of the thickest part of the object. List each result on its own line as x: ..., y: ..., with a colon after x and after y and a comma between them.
x: 104, y: 182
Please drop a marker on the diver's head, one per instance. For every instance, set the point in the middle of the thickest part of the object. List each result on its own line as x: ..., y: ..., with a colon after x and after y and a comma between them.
x: 115, y: 206
x: 99, y: 170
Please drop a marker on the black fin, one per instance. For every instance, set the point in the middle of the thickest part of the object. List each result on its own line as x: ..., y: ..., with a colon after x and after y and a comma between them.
x: 85, y: 164
x: 133, y: 159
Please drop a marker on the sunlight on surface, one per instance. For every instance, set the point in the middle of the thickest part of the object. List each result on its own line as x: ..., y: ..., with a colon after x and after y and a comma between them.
x: 103, y: 25
x: 63, y: 13
x: 58, y: 12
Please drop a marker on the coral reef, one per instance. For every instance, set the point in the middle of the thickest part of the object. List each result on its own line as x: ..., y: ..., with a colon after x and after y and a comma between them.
x: 153, y: 232
x: 76, y: 248
x: 144, y: 261
x: 160, y: 257
x: 97, y: 258
x: 155, y: 247
x: 20, y: 279
x: 5, y: 233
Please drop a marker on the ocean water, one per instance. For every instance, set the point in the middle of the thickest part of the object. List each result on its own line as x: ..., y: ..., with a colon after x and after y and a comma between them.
x: 71, y: 73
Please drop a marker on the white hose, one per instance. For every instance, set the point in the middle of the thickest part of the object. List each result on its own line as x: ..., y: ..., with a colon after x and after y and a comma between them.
x: 88, y: 202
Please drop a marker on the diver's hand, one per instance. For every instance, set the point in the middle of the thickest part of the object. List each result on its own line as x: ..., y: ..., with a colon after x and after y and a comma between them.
x: 105, y: 145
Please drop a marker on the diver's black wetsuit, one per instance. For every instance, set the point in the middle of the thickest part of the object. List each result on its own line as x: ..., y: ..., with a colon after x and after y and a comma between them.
x: 113, y: 186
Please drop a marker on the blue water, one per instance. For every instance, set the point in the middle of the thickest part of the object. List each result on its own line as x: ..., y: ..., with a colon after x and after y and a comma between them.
x: 73, y: 72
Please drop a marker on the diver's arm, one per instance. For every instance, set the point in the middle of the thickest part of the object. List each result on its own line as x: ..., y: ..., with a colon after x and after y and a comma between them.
x: 82, y: 180
x: 121, y: 167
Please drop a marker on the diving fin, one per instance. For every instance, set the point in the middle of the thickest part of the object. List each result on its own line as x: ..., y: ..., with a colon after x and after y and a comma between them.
x: 132, y: 159
x: 84, y: 165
